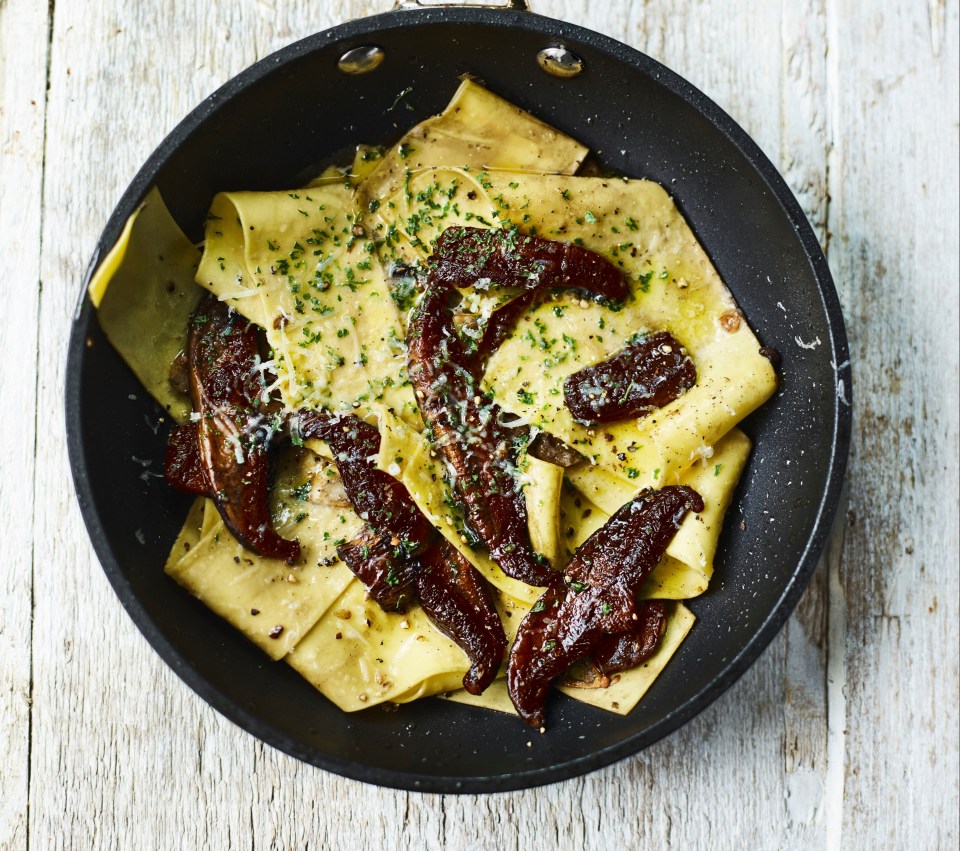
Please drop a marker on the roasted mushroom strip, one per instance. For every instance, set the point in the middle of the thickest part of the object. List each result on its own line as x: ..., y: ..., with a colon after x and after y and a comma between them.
x: 615, y: 653
x: 598, y: 596
x: 381, y: 557
x: 231, y: 429
x: 388, y: 573
x: 182, y: 466
x: 400, y: 553
x: 499, y: 258
x: 551, y: 449
x: 464, y: 427
x: 457, y: 599
x: 374, y: 494
x: 464, y: 424
x: 644, y: 376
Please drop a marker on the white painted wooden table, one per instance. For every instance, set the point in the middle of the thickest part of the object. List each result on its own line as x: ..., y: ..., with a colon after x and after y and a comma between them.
x: 844, y: 734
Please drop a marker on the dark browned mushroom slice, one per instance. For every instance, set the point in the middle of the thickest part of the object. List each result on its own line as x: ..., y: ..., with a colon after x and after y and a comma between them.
x: 484, y: 258
x: 376, y: 496
x: 598, y: 596
x: 182, y: 466
x: 457, y: 599
x: 388, y: 573
x: 615, y: 653
x: 640, y: 378
x: 479, y: 453
x: 223, y: 354
x: 465, y: 425
x: 551, y: 449
x: 400, y: 553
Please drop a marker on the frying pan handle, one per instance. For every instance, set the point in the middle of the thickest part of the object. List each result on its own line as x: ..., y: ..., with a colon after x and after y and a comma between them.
x: 519, y: 5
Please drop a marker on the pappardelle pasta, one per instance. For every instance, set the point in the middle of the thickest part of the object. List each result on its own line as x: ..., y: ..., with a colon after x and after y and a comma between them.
x: 499, y: 401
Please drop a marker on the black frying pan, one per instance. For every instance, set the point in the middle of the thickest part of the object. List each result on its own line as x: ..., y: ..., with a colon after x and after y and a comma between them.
x: 274, y: 125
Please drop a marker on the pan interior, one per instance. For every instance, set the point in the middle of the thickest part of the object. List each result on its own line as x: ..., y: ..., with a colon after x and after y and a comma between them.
x: 274, y: 126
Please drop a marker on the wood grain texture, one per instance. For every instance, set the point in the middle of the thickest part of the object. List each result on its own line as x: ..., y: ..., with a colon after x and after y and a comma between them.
x: 803, y: 161
x: 23, y: 71
x: 843, y: 735
x: 894, y: 220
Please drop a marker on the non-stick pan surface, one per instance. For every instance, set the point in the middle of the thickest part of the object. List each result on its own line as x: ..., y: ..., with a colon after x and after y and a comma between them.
x: 270, y: 128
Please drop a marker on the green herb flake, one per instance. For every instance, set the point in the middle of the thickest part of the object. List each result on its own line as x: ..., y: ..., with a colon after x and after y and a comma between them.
x: 399, y: 98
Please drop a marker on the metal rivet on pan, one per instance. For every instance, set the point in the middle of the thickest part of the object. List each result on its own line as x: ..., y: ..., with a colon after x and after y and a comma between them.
x: 361, y: 60
x: 559, y: 62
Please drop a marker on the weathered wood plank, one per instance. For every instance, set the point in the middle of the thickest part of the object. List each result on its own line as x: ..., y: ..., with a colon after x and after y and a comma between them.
x: 893, y: 214
x: 23, y: 70
x: 803, y: 162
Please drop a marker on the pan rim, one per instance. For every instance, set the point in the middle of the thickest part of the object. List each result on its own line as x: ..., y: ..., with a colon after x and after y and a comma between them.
x: 346, y: 35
